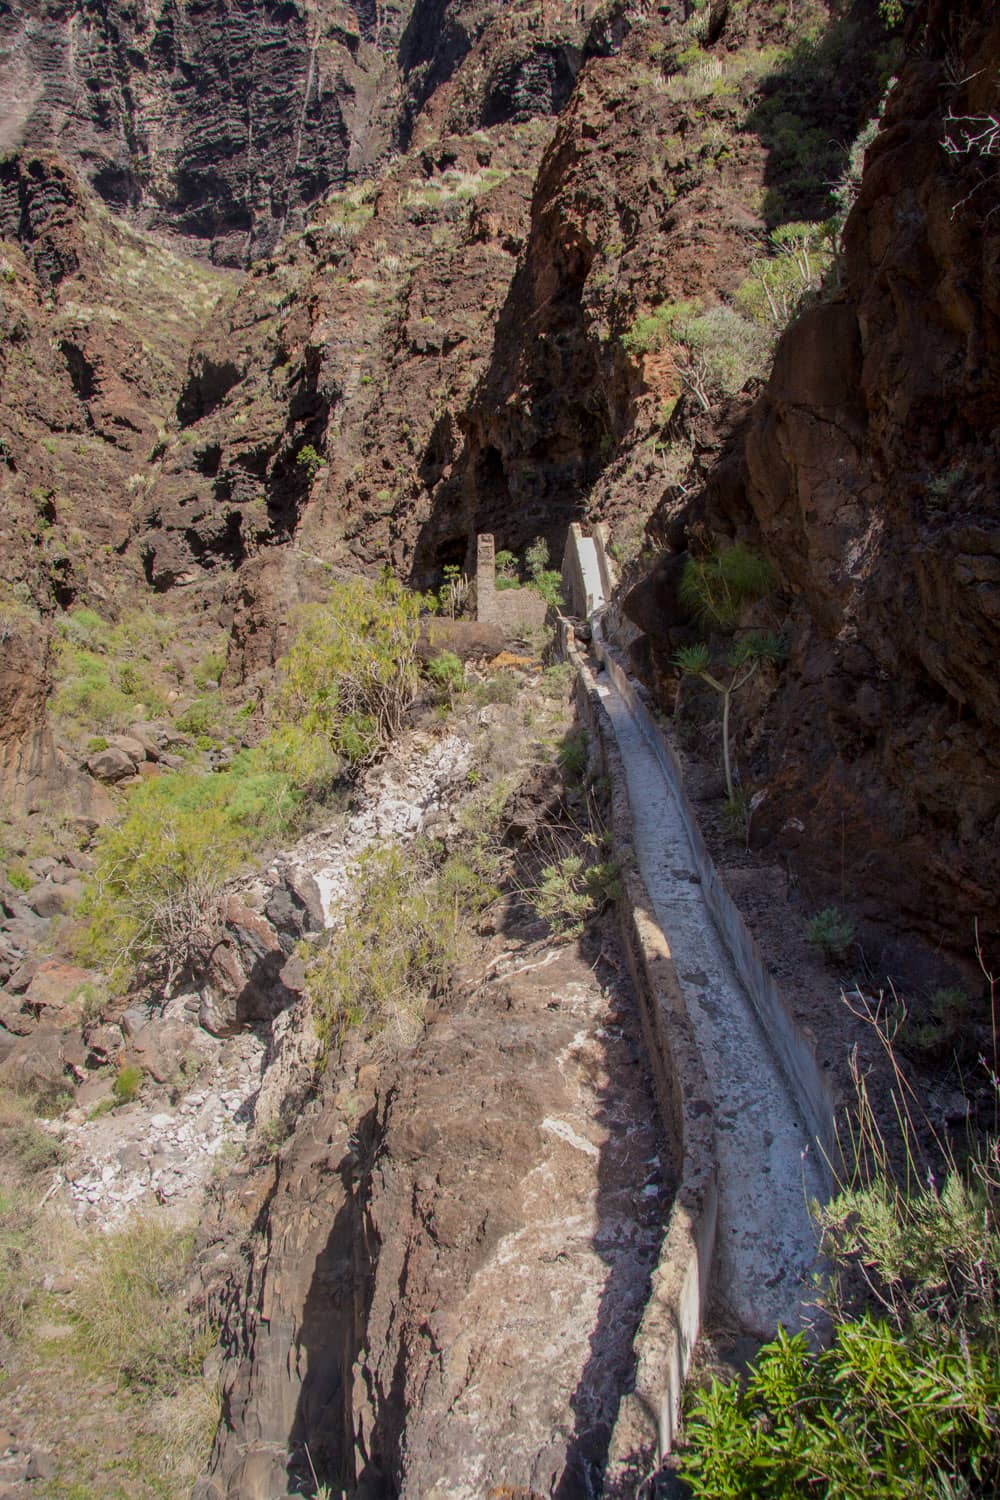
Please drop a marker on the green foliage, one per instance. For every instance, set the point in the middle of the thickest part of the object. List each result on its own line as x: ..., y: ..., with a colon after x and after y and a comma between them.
x: 572, y: 890
x: 573, y: 753
x: 905, y: 1401
x: 209, y: 670
x: 693, y: 661
x: 454, y: 591
x: 402, y: 934
x: 19, y: 876
x: 933, y: 1255
x: 157, y: 872
x: 129, y: 1314
x: 105, y: 673
x: 309, y: 460
x: 729, y: 348
x: 832, y: 933
x: 500, y: 688
x: 743, y: 659
x: 718, y: 586
x: 779, y: 283
x: 549, y: 585
x: 352, y: 671
x: 127, y: 1083
x: 724, y: 349
x: 200, y: 717
x: 654, y: 330
x: 447, y: 674
x: 536, y: 558
x: 506, y: 570
x: 875, y: 1415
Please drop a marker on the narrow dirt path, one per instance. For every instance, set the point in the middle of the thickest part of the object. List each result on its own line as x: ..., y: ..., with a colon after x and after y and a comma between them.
x: 767, y: 1176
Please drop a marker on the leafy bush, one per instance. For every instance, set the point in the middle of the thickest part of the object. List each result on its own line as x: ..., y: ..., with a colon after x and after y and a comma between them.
x: 831, y: 932
x: 402, y: 934
x: 572, y: 754
x: 209, y: 670
x: 200, y: 717
x: 506, y: 570
x: 352, y: 671
x: 103, y: 672
x: 19, y: 876
x: 724, y: 349
x: 905, y: 1401
x: 309, y: 460
x: 572, y: 890
x: 875, y: 1415
x: 500, y: 688
x: 447, y: 674
x: 157, y: 874
x: 127, y: 1083
x: 779, y: 283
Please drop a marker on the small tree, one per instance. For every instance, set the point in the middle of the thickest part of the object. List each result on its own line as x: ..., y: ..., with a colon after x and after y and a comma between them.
x: 717, y: 587
x: 742, y: 662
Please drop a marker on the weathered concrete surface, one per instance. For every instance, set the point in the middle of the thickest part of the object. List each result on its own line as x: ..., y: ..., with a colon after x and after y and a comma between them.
x: 768, y: 1170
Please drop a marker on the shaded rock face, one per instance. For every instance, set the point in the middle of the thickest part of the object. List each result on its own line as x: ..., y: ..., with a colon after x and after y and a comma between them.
x: 457, y: 1251
x: 223, y: 123
x: 218, y: 122
x: 444, y: 355
x: 868, y: 473
x: 96, y: 321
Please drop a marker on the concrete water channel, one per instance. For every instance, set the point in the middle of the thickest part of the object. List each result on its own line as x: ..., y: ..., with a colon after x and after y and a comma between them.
x: 769, y: 1165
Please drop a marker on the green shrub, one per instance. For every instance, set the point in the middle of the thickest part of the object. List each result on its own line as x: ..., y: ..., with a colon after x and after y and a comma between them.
x: 572, y: 754
x: 200, y: 717
x: 352, y: 671
x: 718, y: 586
x: 831, y: 932
x: 309, y: 460
x: 19, y: 876
x: 506, y: 570
x: 730, y: 349
x: 209, y: 670
x: 875, y: 1415
x: 653, y: 331
x: 724, y: 349
x: 401, y: 936
x: 779, y: 283
x: 151, y: 894
x: 905, y: 1400
x: 501, y: 688
x: 127, y: 1083
x: 572, y: 890
x: 447, y: 674
x: 104, y: 672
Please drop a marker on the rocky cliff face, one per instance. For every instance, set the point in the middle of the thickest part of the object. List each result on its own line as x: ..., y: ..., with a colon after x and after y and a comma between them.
x: 868, y: 473
x: 222, y: 124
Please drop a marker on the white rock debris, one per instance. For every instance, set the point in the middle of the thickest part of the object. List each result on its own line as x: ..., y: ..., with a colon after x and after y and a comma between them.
x: 165, y: 1153
x: 405, y: 796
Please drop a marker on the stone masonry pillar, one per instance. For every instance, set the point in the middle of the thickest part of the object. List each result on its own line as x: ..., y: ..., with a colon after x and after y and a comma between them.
x: 486, y: 580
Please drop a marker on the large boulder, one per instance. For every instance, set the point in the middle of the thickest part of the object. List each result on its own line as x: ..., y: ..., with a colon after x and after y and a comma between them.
x: 36, y: 1065
x: 111, y: 764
